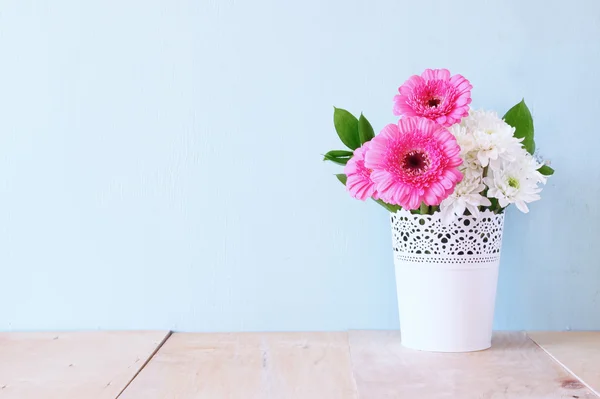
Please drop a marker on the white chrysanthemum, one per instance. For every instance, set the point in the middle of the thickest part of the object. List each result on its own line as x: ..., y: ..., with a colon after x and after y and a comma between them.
x: 516, y: 182
x: 486, y: 138
x: 466, y: 196
x: 471, y: 167
x: 465, y: 138
x: 495, y: 160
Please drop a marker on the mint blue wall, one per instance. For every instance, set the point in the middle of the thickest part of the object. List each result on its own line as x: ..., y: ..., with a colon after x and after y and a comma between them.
x: 160, y: 160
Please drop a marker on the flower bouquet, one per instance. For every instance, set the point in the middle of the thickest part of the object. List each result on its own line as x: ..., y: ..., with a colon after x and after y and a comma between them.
x: 446, y: 173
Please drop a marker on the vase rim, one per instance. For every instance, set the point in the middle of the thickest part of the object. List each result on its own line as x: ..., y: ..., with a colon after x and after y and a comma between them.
x: 437, y: 215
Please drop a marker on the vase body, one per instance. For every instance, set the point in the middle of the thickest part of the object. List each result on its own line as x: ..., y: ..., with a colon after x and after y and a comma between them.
x: 446, y: 278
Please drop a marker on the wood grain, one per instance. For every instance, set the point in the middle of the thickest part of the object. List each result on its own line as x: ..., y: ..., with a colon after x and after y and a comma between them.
x: 515, y: 367
x: 82, y: 365
x: 578, y: 352
x: 248, y: 366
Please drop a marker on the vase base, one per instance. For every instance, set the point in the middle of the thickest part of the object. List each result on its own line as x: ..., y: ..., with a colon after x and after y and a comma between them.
x: 445, y: 349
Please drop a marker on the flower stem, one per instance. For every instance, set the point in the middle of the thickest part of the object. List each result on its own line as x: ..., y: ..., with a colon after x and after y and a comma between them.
x: 424, y: 209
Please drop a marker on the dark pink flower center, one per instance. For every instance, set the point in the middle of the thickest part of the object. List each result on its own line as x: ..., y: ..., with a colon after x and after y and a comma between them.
x: 434, y: 102
x: 433, y: 98
x: 415, y: 162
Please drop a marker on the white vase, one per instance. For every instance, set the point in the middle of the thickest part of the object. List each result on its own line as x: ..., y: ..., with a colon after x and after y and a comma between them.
x: 446, y: 278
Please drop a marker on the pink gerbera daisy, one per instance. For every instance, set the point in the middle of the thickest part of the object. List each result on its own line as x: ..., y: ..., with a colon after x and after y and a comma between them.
x: 359, y: 182
x: 414, y: 161
x: 436, y: 96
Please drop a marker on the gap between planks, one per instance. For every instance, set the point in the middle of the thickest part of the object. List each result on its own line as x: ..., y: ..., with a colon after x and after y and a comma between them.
x: 160, y: 345
x: 352, y: 368
x: 564, y: 366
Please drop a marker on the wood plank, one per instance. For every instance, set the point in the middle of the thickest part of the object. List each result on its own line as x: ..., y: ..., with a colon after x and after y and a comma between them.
x: 72, y: 365
x: 515, y: 367
x: 248, y: 366
x: 577, y: 351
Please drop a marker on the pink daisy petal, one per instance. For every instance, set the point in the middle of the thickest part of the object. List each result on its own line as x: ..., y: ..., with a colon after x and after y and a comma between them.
x: 457, y: 176
x: 430, y: 74
x: 434, y: 95
x: 438, y: 189
x: 412, y: 83
x: 358, y: 182
x: 430, y: 198
x: 412, y: 162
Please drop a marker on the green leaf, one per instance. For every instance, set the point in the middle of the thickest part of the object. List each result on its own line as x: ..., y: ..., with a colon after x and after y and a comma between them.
x: 520, y: 118
x: 341, y: 157
x: 389, y: 207
x: 546, y: 170
x: 365, y: 130
x: 342, y: 178
x: 339, y: 161
x: 495, y: 205
x: 346, y: 126
x: 340, y: 153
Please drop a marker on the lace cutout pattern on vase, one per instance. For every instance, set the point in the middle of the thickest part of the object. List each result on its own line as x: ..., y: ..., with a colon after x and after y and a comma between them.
x: 467, y: 239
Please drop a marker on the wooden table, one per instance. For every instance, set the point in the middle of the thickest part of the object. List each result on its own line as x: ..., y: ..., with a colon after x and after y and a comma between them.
x: 83, y: 365
x: 323, y: 365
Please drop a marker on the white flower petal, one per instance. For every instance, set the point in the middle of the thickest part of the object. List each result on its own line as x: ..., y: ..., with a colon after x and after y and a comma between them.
x: 522, y: 206
x: 473, y: 209
x: 483, y: 159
